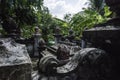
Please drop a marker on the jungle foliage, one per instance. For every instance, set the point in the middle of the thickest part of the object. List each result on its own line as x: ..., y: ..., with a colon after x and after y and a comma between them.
x: 96, y: 13
x: 27, y: 14
x: 23, y: 12
x: 30, y: 13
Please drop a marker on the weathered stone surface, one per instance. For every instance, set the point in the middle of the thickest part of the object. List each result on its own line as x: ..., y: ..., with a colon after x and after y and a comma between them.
x: 86, y: 64
x: 16, y: 72
x: 15, y: 63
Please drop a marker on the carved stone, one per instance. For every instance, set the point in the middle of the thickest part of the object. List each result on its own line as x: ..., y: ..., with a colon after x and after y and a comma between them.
x: 57, y: 35
x: 86, y: 64
x: 15, y: 63
x: 106, y: 36
x: 10, y: 26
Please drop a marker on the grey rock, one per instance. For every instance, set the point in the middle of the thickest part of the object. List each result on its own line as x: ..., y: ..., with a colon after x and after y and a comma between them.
x: 15, y: 63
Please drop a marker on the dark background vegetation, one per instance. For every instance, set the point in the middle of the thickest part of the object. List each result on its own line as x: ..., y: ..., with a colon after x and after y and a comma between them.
x: 28, y: 14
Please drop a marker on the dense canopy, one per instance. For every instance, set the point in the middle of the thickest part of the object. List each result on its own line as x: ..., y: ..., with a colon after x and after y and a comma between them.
x: 27, y: 14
